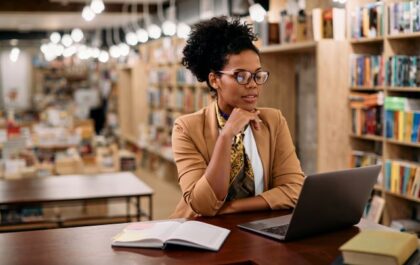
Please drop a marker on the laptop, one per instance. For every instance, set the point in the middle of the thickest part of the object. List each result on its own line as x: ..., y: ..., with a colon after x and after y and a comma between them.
x: 327, y: 202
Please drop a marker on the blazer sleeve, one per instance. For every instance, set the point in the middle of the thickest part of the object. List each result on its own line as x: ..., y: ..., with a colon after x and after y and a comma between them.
x: 191, y: 165
x: 286, y: 174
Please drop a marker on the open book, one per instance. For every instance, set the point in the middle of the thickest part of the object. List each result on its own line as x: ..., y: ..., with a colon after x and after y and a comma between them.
x: 157, y: 234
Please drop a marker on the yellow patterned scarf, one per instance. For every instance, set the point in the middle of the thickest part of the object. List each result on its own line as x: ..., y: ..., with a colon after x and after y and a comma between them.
x: 241, y: 183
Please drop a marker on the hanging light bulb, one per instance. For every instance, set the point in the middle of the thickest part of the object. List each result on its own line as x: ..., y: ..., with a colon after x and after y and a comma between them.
x: 183, y: 30
x: 69, y: 51
x: 96, y: 52
x: 88, y: 14
x: 97, y: 6
x: 154, y: 31
x: 55, y: 37
x: 142, y: 35
x: 114, y: 51
x: 131, y: 38
x: 169, y: 28
x: 66, y: 40
x: 103, y: 56
x: 124, y: 49
x: 14, y: 54
x: 257, y: 12
x: 77, y: 35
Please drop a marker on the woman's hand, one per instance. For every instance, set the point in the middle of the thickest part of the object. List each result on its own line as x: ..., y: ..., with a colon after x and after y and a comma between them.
x: 238, y: 119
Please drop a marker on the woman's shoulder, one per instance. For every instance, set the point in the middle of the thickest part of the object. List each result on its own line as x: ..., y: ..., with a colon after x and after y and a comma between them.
x: 193, y: 119
x: 270, y: 113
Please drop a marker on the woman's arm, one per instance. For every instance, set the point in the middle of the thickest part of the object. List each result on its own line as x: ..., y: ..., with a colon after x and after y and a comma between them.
x: 244, y: 205
x: 218, y: 170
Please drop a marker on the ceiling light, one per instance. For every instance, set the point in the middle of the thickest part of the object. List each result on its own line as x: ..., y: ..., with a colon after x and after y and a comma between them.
x: 142, y: 35
x: 55, y: 37
x: 154, y: 31
x: 66, y: 40
x: 169, y: 28
x: 103, y: 56
x: 14, y: 54
x: 97, y: 6
x: 87, y: 13
x: 183, y: 30
x: 77, y: 35
x: 257, y: 12
x: 69, y: 51
x: 124, y: 49
x: 131, y: 38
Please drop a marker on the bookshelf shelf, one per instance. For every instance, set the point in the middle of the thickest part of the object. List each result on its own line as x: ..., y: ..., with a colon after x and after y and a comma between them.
x: 306, y: 46
x: 367, y: 137
x: 404, y: 36
x: 376, y: 40
x: 391, y: 141
x: 402, y: 196
x: 403, y: 89
x: 366, y: 89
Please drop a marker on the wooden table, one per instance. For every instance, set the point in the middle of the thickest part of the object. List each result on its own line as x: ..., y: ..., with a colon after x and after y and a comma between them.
x: 92, y: 245
x: 52, y: 191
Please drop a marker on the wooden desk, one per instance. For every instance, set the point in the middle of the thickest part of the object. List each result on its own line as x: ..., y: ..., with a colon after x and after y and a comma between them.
x: 92, y: 245
x: 75, y: 188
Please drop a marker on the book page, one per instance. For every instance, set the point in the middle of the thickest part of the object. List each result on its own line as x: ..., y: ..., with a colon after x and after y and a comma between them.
x: 147, y: 232
x: 199, y: 234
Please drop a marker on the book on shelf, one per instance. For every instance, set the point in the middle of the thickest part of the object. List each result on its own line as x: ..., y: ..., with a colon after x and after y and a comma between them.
x: 366, y: 70
x: 366, y: 113
x: 406, y: 225
x: 404, y: 17
x: 329, y: 23
x: 368, y: 21
x: 402, y: 177
x: 159, y: 234
x: 402, y: 71
x: 375, y: 208
x: 379, y: 248
x: 402, y: 119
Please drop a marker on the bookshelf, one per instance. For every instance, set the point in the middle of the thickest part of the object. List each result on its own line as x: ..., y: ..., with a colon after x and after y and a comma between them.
x: 398, y: 205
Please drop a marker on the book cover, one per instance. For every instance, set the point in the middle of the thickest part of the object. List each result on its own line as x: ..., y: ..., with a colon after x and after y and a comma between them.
x: 158, y: 234
x: 379, y: 247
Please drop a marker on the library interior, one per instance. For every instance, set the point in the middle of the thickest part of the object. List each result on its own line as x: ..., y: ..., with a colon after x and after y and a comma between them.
x: 114, y: 116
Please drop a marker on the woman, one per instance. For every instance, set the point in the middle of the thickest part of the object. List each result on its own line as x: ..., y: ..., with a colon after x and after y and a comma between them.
x: 232, y: 156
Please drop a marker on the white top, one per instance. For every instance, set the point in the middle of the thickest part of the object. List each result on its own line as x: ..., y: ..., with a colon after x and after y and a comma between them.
x: 252, y: 153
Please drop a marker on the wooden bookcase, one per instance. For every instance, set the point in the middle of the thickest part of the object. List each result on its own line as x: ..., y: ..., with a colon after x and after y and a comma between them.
x: 397, y: 206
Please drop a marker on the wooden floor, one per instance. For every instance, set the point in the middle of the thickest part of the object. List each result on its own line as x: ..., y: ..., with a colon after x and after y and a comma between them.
x: 166, y: 196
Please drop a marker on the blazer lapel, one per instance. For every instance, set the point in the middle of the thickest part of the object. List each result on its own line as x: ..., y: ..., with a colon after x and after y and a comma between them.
x: 211, y: 131
x: 262, y: 139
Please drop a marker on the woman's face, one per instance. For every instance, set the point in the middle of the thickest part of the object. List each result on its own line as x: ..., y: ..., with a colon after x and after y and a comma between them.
x: 231, y: 94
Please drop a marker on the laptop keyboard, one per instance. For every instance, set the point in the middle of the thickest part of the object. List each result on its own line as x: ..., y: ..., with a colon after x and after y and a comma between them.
x: 278, y: 230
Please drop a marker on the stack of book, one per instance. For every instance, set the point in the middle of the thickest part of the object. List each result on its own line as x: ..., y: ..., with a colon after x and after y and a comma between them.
x: 366, y: 110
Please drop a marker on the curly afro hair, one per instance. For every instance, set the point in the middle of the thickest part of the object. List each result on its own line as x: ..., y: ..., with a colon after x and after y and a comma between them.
x: 211, y: 42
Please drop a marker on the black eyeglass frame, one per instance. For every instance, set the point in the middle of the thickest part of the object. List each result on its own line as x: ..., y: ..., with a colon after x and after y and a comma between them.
x: 253, y: 75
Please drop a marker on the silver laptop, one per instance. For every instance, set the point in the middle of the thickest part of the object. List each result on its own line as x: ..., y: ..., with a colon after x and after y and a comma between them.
x: 327, y: 202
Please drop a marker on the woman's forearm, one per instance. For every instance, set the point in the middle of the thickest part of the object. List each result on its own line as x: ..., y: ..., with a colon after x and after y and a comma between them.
x: 218, y: 170
x: 244, y: 205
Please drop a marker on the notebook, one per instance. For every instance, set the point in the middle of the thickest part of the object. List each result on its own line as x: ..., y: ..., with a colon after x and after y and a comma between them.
x: 327, y: 202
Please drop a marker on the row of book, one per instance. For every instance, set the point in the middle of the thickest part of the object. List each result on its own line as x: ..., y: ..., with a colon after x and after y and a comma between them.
x: 368, y: 21
x: 402, y: 119
x: 366, y: 70
x: 184, y: 76
x: 328, y: 23
x: 21, y: 215
x: 404, y: 17
x: 361, y: 159
x: 402, y: 177
x: 401, y: 70
x: 185, y: 99
x: 366, y: 113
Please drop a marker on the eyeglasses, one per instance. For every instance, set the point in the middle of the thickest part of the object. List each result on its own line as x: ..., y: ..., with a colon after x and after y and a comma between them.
x: 243, y: 77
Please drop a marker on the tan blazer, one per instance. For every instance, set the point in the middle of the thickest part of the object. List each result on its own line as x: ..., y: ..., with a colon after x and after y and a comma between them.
x: 193, y: 139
